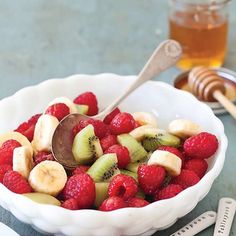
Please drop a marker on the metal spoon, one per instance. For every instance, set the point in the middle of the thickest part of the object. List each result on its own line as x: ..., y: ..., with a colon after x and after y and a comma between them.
x: 165, y: 56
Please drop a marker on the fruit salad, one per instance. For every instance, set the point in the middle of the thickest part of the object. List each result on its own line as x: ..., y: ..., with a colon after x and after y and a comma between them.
x: 124, y: 160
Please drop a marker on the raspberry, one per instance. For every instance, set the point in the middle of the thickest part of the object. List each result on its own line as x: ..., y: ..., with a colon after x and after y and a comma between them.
x: 80, y: 170
x: 122, y: 154
x: 107, y: 120
x: 6, y: 151
x: 150, y: 177
x: 100, y: 129
x: 82, y: 188
x: 88, y: 98
x: 201, y: 146
x: 43, y: 156
x: 122, y: 186
x: 168, y: 192
x: 71, y: 204
x: 16, y: 182
x: 27, y: 128
x: 186, y: 179
x: 3, y: 170
x: 59, y: 110
x: 108, y: 141
x: 173, y: 150
x: 112, y: 203
x: 122, y: 123
x: 137, y: 202
x: 199, y: 166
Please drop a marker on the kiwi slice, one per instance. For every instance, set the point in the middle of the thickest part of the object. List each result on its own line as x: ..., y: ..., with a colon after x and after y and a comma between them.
x: 130, y: 173
x: 43, y: 198
x: 133, y: 167
x: 136, y: 150
x: 103, y: 168
x: 101, y: 193
x: 152, y: 142
x: 86, y: 146
x: 82, y: 109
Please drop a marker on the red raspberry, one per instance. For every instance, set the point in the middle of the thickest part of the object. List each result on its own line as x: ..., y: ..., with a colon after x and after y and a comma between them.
x: 71, y: 204
x: 59, y: 110
x: 43, y: 156
x: 80, y: 170
x: 186, y: 179
x: 6, y: 151
x: 88, y: 98
x: 201, y: 146
x: 107, y: 120
x: 172, y: 150
x: 108, y: 141
x: 16, y: 182
x: 100, y: 129
x: 82, y: 188
x: 122, y: 154
x: 122, y: 186
x: 137, y: 202
x: 3, y: 170
x: 199, y: 166
x: 150, y: 177
x: 112, y: 203
x: 27, y: 128
x: 168, y: 192
x: 122, y: 123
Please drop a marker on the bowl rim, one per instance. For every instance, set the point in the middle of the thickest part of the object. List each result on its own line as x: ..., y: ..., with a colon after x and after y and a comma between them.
x: 211, y: 175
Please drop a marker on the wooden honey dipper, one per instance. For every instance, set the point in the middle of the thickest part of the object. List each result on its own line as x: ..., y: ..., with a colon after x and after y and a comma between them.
x: 208, y: 86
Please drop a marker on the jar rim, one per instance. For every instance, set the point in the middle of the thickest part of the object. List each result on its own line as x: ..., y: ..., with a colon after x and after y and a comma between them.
x: 210, y: 5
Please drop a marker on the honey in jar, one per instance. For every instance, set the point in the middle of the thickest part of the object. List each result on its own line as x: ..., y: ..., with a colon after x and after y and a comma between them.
x: 201, y: 28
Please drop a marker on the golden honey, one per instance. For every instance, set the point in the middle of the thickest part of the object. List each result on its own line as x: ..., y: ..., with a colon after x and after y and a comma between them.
x: 203, y: 36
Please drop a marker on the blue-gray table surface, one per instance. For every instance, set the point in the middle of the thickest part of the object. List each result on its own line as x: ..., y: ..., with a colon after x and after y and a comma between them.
x: 46, y: 39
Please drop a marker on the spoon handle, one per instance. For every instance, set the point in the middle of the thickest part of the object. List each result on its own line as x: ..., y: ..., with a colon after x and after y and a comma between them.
x: 165, y: 56
x: 197, y: 225
x: 225, y: 216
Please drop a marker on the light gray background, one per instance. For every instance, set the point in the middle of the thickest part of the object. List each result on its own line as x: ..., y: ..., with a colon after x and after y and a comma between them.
x: 41, y: 39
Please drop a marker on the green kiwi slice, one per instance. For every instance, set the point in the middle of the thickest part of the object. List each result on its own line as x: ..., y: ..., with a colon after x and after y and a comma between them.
x: 103, y: 168
x: 152, y: 142
x: 82, y: 109
x: 136, y: 150
x: 101, y: 193
x: 130, y: 173
x: 133, y: 167
x: 86, y: 146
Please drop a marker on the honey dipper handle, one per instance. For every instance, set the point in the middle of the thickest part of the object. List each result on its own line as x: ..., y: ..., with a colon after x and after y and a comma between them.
x: 227, y: 104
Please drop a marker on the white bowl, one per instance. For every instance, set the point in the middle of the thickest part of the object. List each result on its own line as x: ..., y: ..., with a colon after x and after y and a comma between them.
x: 165, y: 102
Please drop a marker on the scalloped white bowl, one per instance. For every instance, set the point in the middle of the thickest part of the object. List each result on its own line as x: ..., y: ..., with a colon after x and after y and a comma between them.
x: 165, y: 102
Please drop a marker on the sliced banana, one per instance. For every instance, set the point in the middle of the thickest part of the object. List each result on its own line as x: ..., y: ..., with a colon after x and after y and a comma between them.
x: 48, y: 177
x: 18, y: 137
x: 184, y: 128
x: 23, y: 161
x: 42, y: 198
x: 145, y: 118
x: 43, y: 132
x: 66, y: 101
x: 169, y: 161
x: 142, y: 131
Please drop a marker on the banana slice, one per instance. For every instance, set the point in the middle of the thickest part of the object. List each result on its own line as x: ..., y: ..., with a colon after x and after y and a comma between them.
x: 48, y: 177
x: 43, y: 132
x: 65, y: 100
x: 184, y: 128
x: 23, y: 161
x: 18, y: 137
x: 145, y: 118
x: 169, y: 161
x: 142, y: 131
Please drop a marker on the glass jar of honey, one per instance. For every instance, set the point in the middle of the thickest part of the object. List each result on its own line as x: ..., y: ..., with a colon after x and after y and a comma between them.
x: 201, y: 27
